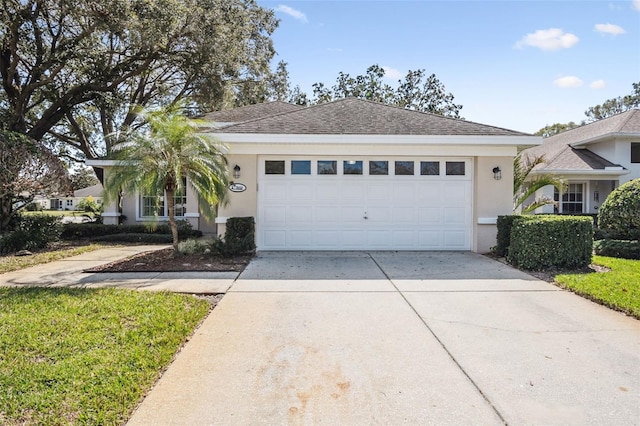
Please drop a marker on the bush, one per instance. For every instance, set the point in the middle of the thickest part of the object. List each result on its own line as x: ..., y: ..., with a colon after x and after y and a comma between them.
x: 620, y: 212
x: 89, y: 205
x: 610, y: 234
x: 31, y: 233
x: 618, y: 248
x: 74, y: 231
x: 136, y: 238
x: 542, y: 242
x: 193, y: 246
x: 239, y: 237
x: 504, y: 234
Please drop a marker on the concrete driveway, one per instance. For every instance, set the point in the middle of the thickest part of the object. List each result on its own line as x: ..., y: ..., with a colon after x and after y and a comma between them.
x: 400, y: 338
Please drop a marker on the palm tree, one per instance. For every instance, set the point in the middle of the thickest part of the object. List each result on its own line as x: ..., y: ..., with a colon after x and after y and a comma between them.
x: 160, y: 160
x: 523, y: 188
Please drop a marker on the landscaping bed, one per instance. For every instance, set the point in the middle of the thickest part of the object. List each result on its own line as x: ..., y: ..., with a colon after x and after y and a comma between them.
x: 163, y: 260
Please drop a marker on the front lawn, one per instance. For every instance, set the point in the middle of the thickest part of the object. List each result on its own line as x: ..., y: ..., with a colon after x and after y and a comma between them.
x: 77, y: 356
x: 618, y: 288
x: 13, y: 263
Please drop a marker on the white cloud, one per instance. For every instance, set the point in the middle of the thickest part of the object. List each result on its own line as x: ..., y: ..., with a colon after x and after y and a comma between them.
x: 392, y: 73
x: 636, y: 4
x: 551, y: 39
x: 609, y: 29
x: 598, y: 84
x: 292, y: 12
x: 568, y: 81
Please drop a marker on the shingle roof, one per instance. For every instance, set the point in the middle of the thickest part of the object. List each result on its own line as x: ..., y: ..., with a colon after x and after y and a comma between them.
x: 560, y: 155
x: 93, y: 191
x: 361, y: 117
x: 250, y: 112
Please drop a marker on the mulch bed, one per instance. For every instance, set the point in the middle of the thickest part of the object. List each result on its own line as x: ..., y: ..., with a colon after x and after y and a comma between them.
x: 164, y: 261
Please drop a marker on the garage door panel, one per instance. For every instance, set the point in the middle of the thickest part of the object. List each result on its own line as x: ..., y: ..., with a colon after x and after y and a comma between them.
x: 277, y: 239
x: 404, y: 215
x: 275, y: 191
x: 275, y: 215
x: 404, y: 239
x: 454, y: 240
x: 300, y: 191
x: 378, y: 239
x: 430, y: 216
x: 455, y: 216
x: 327, y: 240
x: 326, y: 191
x: 378, y: 214
x: 379, y: 191
x: 351, y: 214
x: 300, y: 238
x: 354, y: 239
x: 430, y: 239
x: 429, y: 191
x: 326, y: 214
x: 299, y: 214
x: 353, y: 193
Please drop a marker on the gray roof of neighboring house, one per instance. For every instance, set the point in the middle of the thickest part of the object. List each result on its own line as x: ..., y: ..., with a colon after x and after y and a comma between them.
x: 93, y: 191
x: 249, y: 112
x: 361, y: 117
x: 561, y: 155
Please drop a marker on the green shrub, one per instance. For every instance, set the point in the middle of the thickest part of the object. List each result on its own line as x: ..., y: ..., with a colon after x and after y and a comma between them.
x: 136, y: 238
x: 193, y: 246
x: 624, y: 249
x: 620, y: 212
x: 611, y: 234
x: 74, y: 231
x: 543, y: 242
x: 239, y: 237
x: 504, y: 234
x: 31, y: 233
x: 89, y: 205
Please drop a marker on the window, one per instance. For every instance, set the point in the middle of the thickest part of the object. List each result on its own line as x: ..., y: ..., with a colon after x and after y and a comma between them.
x: 571, y: 199
x: 430, y: 168
x: 300, y: 167
x: 69, y: 203
x: 455, y: 168
x: 156, y: 205
x: 378, y: 168
x: 274, y: 167
x: 352, y: 167
x: 635, y: 152
x: 404, y: 168
x: 327, y: 167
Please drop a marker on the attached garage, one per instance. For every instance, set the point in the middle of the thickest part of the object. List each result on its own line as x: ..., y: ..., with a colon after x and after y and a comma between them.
x: 354, y: 175
x: 364, y: 203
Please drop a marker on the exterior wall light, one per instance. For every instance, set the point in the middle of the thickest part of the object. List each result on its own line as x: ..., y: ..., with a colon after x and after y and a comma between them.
x: 497, y: 173
x: 236, y: 171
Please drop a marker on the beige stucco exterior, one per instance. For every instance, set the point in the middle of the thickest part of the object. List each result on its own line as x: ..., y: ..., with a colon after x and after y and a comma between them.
x: 490, y: 199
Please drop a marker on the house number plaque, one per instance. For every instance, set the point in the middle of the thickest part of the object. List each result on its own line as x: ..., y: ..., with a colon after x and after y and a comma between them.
x: 237, y: 187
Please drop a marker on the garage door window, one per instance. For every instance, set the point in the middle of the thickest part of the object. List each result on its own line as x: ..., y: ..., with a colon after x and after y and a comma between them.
x: 404, y: 168
x: 274, y: 167
x: 378, y: 168
x: 327, y: 167
x: 352, y: 167
x: 455, y: 168
x: 300, y: 167
x: 430, y: 168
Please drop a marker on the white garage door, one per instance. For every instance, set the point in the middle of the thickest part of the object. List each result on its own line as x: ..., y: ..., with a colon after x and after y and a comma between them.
x: 364, y: 204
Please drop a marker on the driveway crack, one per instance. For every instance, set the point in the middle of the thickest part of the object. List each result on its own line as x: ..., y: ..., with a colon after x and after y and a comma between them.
x: 441, y: 343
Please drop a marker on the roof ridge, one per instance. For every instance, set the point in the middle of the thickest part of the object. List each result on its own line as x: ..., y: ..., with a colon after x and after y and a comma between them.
x: 266, y: 116
x: 627, y: 119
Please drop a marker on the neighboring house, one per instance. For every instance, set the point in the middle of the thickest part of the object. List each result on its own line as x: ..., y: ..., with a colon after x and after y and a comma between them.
x: 356, y: 175
x: 594, y: 159
x: 70, y: 202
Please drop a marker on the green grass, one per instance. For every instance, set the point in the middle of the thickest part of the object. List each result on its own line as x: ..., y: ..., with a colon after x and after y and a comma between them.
x: 77, y: 356
x: 618, y: 289
x: 15, y: 263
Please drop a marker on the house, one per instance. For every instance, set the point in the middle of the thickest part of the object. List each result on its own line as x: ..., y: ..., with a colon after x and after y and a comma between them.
x: 594, y: 159
x: 69, y: 202
x: 356, y: 175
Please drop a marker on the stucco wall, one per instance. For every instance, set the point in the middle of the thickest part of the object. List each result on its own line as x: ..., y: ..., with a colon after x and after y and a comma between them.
x: 241, y: 204
x: 492, y: 198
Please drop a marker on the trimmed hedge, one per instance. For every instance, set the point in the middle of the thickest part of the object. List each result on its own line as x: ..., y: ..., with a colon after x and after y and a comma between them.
x: 504, y: 234
x: 136, y: 238
x: 74, y: 231
x: 543, y: 242
x: 624, y: 249
x: 239, y: 237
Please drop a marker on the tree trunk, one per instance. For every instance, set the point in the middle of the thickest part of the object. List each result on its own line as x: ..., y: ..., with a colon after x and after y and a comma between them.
x: 172, y: 220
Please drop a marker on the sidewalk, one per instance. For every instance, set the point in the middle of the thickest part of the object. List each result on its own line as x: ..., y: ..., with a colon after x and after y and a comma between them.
x: 69, y: 273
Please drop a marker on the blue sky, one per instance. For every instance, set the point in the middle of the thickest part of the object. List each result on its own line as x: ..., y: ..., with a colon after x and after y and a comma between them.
x: 514, y: 64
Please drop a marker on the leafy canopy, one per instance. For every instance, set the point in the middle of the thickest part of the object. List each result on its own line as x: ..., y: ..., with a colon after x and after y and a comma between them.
x: 416, y: 92
x: 72, y: 71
